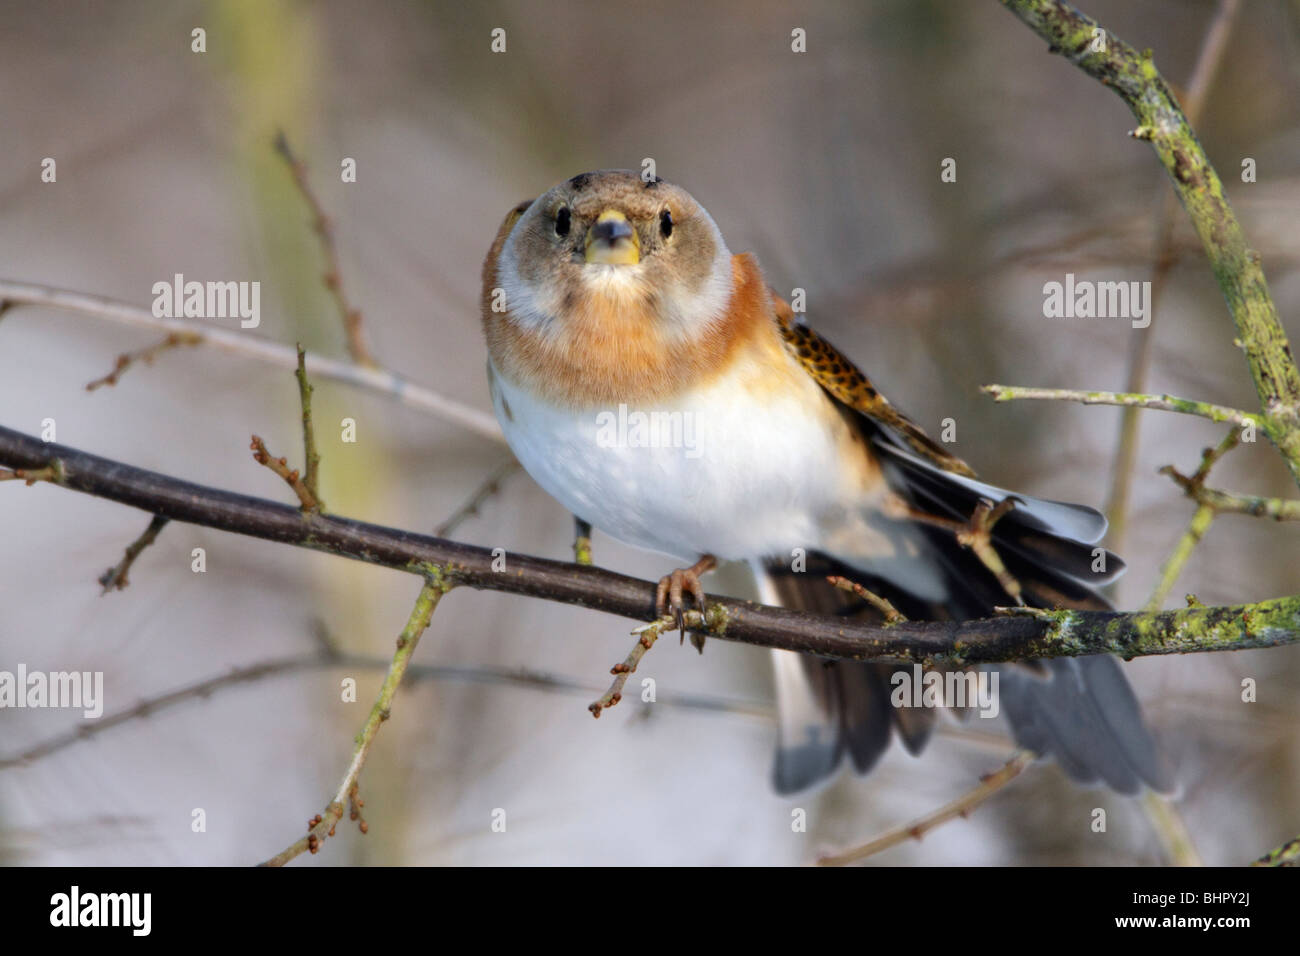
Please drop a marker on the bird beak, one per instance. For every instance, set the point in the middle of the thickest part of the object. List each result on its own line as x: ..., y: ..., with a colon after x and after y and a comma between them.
x: 612, y: 241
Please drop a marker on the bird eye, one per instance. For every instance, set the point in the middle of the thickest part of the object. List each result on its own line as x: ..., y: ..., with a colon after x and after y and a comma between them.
x: 666, y: 223
x: 562, y: 221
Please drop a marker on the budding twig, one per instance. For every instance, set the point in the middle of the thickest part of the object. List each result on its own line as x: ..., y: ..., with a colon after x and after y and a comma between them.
x: 322, y: 825
x: 281, y: 467
x: 145, y: 355
x: 646, y: 635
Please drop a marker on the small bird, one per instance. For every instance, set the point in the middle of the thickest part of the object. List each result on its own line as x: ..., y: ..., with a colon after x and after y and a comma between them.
x: 652, y: 383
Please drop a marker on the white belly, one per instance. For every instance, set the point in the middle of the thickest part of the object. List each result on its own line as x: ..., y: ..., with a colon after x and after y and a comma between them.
x: 716, y: 472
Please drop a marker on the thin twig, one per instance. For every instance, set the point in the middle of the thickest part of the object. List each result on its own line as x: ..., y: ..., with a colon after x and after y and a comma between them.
x: 1177, y: 560
x: 1230, y: 502
x: 114, y: 579
x: 1168, y: 403
x: 976, y: 534
x: 323, y: 825
x: 646, y: 635
x: 52, y: 472
x: 883, y: 605
x: 1227, y: 502
x: 281, y: 467
x: 961, y: 807
x: 358, y: 348
x: 1200, y: 523
x: 145, y: 355
x: 312, y: 457
x: 249, y: 345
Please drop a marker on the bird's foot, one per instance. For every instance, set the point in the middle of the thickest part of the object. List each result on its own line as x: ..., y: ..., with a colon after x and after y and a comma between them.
x: 674, y: 586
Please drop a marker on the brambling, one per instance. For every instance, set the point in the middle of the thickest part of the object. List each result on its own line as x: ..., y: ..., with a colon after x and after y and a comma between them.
x: 654, y: 385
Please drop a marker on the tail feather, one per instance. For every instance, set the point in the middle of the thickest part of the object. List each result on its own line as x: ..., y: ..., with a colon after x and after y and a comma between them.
x: 1081, y: 711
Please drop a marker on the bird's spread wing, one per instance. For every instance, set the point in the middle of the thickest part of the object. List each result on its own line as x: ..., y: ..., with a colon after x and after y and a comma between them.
x: 846, y: 383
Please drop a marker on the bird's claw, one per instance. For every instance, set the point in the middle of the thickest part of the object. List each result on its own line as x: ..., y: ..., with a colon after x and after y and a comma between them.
x: 673, y: 587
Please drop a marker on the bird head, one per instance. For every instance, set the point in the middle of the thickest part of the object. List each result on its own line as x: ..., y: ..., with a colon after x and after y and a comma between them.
x: 612, y: 241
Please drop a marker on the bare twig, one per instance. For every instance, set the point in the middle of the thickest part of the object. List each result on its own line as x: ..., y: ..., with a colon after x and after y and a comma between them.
x: 1168, y: 403
x: 114, y: 579
x: 323, y: 825
x: 145, y: 355
x: 358, y: 348
x: 281, y: 467
x: 646, y: 635
x: 883, y: 605
x: 1200, y: 523
x: 312, y: 477
x: 248, y: 345
x: 961, y: 807
x: 52, y: 472
x: 976, y: 533
x: 1177, y: 560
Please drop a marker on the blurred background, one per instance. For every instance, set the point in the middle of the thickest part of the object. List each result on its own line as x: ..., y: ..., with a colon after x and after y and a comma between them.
x: 826, y: 164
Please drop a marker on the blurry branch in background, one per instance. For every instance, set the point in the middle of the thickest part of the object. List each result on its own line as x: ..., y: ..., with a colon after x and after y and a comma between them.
x: 248, y: 345
x: 358, y: 348
x: 490, y: 486
x: 989, y: 784
x: 1167, y: 255
x: 1133, y: 76
x: 329, y: 657
x: 322, y: 825
x: 1019, y: 636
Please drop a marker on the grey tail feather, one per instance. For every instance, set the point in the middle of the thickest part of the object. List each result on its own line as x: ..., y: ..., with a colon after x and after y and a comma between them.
x: 1080, y: 711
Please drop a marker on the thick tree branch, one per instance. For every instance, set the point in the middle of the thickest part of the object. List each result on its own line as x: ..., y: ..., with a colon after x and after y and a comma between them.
x: 1017, y: 637
x: 1162, y: 123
